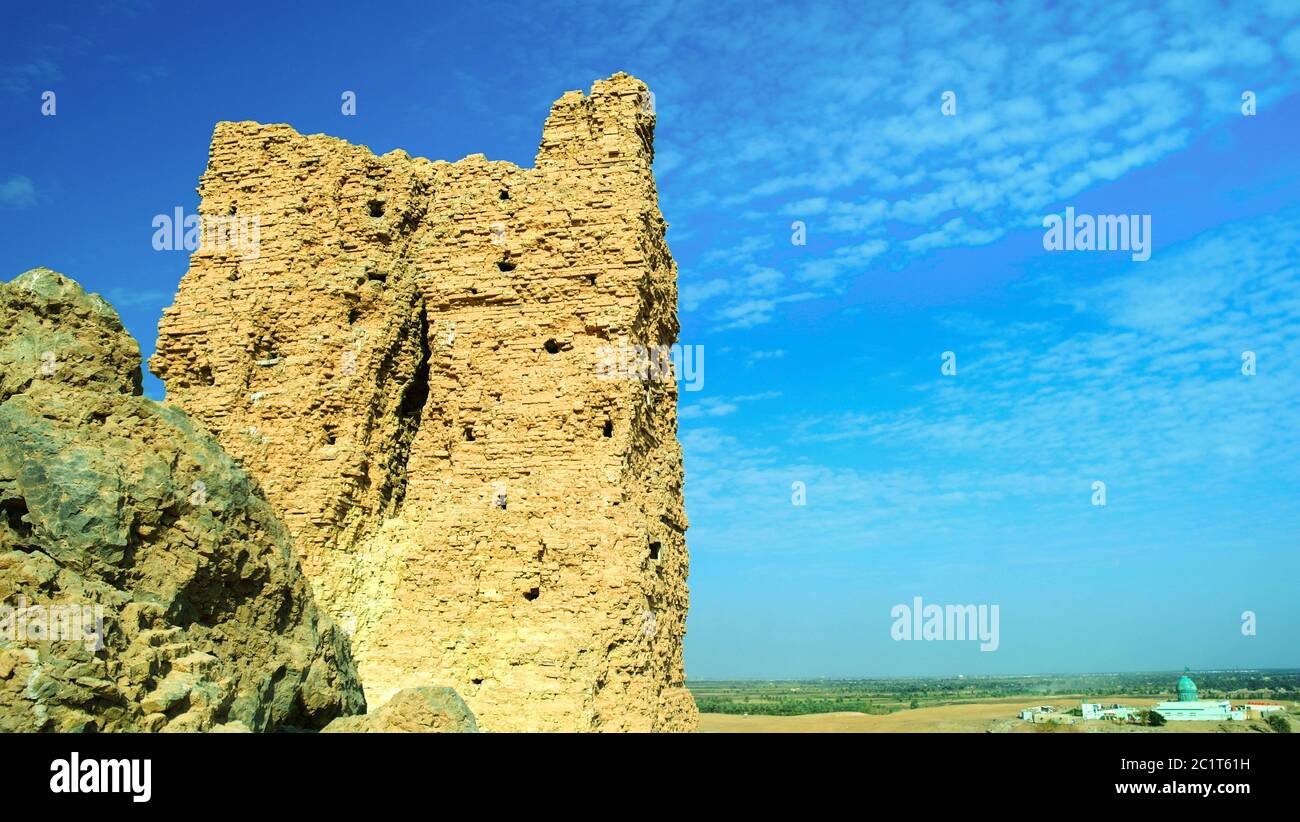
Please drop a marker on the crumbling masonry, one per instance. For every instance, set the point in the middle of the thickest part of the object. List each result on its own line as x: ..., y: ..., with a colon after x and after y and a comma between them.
x: 410, y: 366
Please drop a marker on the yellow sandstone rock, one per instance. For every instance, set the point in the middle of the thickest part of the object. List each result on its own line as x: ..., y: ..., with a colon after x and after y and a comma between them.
x: 409, y: 361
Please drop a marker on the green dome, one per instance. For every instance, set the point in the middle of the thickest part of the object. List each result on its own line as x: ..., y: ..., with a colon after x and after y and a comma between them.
x: 1186, y: 689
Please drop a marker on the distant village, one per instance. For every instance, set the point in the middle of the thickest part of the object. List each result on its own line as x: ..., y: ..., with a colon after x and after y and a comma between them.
x: 1188, y: 707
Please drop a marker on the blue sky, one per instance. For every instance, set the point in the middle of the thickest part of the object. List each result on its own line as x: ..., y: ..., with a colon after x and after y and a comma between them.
x: 822, y: 361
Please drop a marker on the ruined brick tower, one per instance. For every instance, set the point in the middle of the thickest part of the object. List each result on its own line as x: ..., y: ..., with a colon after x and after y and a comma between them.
x: 409, y: 364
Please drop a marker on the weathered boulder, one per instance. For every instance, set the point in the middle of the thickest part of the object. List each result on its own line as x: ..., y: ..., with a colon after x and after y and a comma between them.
x: 413, y: 710
x: 147, y: 584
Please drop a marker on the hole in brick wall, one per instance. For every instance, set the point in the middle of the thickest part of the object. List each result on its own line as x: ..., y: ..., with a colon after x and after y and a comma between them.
x: 265, y: 349
x: 552, y: 347
x: 376, y: 277
x: 591, y: 279
x: 14, y: 510
x: 417, y: 392
x: 354, y: 315
x: 504, y: 195
x: 376, y: 208
x: 608, y: 429
x: 477, y: 680
x: 473, y: 290
x: 505, y: 266
x: 205, y: 375
x: 532, y: 594
x: 410, y: 414
x: 654, y: 550
x: 469, y: 435
x: 329, y: 436
x: 233, y: 210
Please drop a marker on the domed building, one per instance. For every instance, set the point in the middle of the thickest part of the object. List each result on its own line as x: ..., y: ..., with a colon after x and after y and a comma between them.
x: 1190, y: 707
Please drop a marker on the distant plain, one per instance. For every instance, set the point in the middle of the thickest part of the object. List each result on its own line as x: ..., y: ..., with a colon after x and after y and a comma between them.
x: 974, y: 704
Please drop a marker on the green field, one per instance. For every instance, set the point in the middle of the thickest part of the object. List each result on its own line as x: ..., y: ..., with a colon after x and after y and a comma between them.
x: 885, y: 696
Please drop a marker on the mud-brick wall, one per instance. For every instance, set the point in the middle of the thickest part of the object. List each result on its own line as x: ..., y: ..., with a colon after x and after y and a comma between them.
x: 409, y: 361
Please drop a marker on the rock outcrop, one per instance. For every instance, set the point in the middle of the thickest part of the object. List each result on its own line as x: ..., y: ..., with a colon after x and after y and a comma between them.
x: 147, y: 584
x: 412, y: 710
x: 409, y: 359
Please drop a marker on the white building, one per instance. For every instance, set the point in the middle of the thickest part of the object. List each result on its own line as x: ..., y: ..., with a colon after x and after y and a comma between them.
x: 1261, y: 708
x: 1095, y: 710
x: 1190, y: 707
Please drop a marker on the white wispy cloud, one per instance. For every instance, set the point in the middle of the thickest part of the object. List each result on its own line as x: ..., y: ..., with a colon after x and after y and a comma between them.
x: 1087, y: 94
x: 759, y: 356
x: 17, y: 191
x: 21, y: 78
x: 1135, y: 381
x: 722, y: 406
x: 1154, y: 384
x: 132, y: 297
